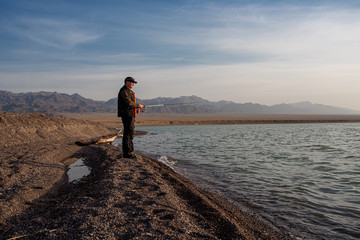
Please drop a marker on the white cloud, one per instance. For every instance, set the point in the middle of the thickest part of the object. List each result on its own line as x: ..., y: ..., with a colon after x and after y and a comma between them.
x: 58, y: 34
x: 265, y: 33
x: 287, y: 34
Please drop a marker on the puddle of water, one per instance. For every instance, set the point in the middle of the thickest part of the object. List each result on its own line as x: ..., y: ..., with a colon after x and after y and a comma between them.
x: 78, y: 170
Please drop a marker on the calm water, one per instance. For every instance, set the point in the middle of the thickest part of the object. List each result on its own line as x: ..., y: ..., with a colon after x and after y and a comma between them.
x: 303, y: 177
x: 78, y: 170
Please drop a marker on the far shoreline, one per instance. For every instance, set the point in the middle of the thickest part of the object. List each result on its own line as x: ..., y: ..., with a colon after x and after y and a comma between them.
x: 111, y: 119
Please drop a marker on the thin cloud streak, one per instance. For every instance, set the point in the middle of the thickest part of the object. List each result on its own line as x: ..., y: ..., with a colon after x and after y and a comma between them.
x: 58, y: 34
x: 319, y: 35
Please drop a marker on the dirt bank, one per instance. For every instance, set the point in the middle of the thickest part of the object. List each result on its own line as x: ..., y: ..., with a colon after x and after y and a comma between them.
x: 35, y: 150
x: 120, y: 199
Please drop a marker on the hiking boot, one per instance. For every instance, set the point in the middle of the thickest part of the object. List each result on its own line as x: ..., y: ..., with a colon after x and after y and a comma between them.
x: 131, y: 156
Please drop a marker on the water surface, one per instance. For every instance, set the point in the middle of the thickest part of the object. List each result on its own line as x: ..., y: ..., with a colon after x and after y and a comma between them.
x: 303, y: 177
x: 78, y: 170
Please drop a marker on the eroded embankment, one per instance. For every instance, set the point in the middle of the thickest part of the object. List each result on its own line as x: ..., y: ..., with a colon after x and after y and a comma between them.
x: 20, y: 129
x: 35, y: 150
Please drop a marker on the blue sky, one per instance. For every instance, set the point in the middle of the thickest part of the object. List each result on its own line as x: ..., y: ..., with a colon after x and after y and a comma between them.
x: 265, y: 52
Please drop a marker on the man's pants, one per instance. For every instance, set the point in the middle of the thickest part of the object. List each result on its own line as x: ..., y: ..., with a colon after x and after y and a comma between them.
x: 129, y: 132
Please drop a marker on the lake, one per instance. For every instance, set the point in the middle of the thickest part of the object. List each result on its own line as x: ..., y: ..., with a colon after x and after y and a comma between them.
x: 304, y: 178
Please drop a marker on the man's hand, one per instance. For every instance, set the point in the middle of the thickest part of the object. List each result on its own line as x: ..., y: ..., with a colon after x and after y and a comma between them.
x: 141, y: 106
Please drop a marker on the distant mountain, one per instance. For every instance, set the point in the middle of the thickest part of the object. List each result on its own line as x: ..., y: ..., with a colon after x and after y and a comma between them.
x: 53, y: 102
x: 49, y: 102
x: 194, y: 104
x: 310, y: 108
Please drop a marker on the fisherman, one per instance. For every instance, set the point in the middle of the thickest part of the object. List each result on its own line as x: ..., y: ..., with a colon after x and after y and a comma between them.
x: 127, y: 110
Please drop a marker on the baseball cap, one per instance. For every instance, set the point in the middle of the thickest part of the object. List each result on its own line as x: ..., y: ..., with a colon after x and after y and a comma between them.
x: 130, y: 79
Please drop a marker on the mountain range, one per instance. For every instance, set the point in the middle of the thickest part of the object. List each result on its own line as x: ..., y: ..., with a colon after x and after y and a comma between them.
x: 56, y: 103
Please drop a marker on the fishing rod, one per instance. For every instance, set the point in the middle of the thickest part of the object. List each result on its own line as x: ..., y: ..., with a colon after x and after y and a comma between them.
x: 169, y: 104
x: 166, y: 104
x: 156, y: 105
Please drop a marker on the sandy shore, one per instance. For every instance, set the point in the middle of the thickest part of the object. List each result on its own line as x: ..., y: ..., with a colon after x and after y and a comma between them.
x: 120, y: 199
x: 110, y: 119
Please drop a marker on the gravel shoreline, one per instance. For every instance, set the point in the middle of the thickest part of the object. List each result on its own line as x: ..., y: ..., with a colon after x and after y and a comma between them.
x: 121, y: 199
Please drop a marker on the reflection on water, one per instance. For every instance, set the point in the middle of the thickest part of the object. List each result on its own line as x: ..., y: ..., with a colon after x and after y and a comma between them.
x: 78, y: 170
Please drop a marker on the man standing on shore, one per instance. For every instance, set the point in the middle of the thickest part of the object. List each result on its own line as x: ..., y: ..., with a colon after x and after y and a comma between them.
x: 127, y: 110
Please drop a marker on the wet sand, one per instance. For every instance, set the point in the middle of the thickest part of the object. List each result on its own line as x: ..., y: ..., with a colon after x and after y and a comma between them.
x: 121, y: 198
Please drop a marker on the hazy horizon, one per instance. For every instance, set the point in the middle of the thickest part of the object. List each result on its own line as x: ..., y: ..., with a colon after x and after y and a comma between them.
x: 147, y: 99
x: 241, y: 51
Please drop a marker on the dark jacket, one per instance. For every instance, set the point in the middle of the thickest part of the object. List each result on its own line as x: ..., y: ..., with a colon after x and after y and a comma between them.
x: 126, y: 103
